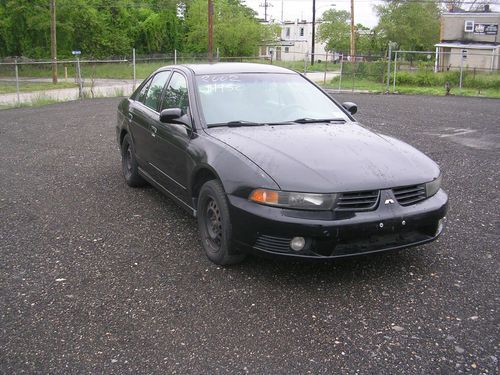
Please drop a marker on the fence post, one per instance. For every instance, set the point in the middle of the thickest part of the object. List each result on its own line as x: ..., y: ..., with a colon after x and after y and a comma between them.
x: 354, y: 68
x: 461, y: 69
x: 389, y: 68
x: 326, y: 65
x: 395, y: 71
x: 133, y: 68
x: 305, y: 62
x: 436, y: 63
x: 17, y: 83
x: 341, y: 66
x: 80, y: 88
x: 175, y: 57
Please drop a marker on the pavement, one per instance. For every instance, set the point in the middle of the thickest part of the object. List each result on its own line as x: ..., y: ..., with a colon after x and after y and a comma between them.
x: 97, y: 277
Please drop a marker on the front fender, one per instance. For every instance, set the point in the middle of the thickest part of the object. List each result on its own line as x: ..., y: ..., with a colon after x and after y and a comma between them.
x: 238, y: 174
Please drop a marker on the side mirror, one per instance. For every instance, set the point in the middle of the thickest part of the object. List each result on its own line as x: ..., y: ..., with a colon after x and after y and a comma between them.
x: 351, y: 107
x: 175, y: 116
x: 170, y: 114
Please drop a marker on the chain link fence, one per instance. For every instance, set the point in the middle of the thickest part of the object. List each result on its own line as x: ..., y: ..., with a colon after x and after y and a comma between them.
x: 29, y: 82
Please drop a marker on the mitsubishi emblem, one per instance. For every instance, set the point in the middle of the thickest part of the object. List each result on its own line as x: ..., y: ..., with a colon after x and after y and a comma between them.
x: 389, y: 201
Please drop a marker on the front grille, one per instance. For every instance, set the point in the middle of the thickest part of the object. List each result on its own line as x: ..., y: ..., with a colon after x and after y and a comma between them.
x: 408, y: 195
x: 358, y: 201
x: 273, y: 243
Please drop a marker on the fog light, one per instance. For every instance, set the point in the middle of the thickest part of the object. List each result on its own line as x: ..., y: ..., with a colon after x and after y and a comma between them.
x: 297, y: 243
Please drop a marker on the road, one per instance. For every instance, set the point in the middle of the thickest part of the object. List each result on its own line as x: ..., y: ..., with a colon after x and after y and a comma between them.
x: 102, y: 88
x: 97, y: 277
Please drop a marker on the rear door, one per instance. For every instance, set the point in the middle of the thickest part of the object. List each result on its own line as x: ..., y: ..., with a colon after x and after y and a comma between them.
x: 139, y: 129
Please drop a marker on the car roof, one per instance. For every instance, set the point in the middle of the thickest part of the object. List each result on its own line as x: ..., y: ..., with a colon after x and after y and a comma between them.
x: 232, y: 68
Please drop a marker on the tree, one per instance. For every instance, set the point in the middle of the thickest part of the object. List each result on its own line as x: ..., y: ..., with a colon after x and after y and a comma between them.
x: 412, y: 25
x: 335, y: 31
x: 236, y: 30
x: 25, y: 27
x: 99, y: 28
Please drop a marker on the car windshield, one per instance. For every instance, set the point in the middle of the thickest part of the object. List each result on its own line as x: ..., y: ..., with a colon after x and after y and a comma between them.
x: 253, y: 98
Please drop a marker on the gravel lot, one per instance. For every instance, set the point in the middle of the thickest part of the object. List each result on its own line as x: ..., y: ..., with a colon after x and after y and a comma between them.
x: 98, y: 277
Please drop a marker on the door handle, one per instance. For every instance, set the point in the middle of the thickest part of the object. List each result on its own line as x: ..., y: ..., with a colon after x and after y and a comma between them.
x: 153, y: 130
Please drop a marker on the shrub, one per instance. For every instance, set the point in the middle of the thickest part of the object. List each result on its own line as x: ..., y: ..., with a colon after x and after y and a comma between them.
x: 469, y: 79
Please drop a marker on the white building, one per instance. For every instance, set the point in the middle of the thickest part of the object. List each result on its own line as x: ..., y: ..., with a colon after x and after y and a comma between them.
x: 295, y: 43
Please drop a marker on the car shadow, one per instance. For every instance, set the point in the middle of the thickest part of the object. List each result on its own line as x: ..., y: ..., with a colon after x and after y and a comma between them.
x: 392, y: 265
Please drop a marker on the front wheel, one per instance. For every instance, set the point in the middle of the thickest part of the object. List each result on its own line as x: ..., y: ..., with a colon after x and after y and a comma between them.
x: 215, y: 225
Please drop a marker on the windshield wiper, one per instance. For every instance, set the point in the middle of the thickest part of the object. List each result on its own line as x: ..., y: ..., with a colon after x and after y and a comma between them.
x: 237, y: 123
x: 307, y: 120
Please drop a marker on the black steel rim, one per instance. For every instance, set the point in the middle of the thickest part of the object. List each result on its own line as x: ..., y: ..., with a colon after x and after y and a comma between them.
x: 213, y: 223
x: 128, y: 161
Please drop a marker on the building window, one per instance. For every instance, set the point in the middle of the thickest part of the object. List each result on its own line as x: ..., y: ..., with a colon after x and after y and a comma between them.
x: 287, y: 32
x: 301, y: 31
x: 287, y: 49
x: 469, y: 26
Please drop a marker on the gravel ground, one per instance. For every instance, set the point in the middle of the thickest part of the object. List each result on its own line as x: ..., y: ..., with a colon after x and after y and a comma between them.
x: 98, y: 277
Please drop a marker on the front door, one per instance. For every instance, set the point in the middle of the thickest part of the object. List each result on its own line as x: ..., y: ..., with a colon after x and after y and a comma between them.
x: 169, y: 152
x: 145, y: 115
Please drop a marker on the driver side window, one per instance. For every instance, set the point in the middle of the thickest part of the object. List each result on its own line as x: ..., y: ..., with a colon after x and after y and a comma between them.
x: 176, y: 94
x: 153, y: 95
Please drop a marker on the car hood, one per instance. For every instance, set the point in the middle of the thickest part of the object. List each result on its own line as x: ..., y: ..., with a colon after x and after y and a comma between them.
x: 329, y: 157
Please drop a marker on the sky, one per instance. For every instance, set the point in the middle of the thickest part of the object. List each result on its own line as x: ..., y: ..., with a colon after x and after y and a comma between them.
x: 302, y: 9
x: 364, y: 12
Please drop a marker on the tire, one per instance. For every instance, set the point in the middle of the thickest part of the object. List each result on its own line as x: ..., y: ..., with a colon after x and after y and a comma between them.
x: 129, y: 164
x: 214, y: 224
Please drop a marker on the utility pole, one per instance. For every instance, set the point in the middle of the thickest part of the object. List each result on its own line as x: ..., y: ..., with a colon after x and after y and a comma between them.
x: 353, y: 36
x: 266, y: 4
x: 313, y: 32
x: 210, y: 30
x: 53, y: 41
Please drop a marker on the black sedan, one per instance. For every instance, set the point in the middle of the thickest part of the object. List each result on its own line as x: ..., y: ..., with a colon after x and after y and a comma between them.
x: 270, y: 163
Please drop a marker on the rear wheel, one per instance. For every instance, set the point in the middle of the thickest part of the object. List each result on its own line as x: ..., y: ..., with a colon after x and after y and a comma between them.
x: 129, y: 164
x: 215, y: 225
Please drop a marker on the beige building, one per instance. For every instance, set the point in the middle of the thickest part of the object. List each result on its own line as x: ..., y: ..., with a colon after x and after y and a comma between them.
x: 469, y: 40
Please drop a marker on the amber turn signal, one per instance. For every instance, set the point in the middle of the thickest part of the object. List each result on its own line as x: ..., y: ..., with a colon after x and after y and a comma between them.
x: 264, y: 196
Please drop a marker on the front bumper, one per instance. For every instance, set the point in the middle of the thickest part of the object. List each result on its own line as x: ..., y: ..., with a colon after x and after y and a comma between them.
x: 336, y: 234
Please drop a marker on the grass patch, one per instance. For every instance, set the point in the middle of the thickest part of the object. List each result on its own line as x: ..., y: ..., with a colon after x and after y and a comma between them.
x: 10, y: 87
x: 124, y: 70
x: 364, y: 84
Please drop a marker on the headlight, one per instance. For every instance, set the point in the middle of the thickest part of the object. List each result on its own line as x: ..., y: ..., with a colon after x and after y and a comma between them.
x: 432, y: 187
x: 299, y: 201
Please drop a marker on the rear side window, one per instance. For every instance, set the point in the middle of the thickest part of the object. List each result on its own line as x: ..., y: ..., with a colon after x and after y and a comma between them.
x: 153, y: 95
x: 176, y: 95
